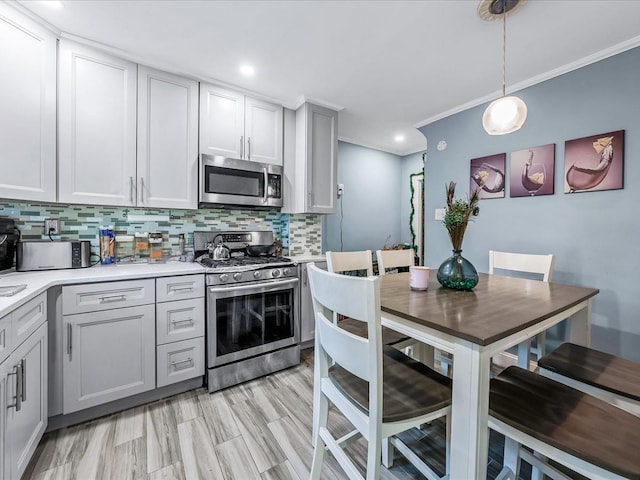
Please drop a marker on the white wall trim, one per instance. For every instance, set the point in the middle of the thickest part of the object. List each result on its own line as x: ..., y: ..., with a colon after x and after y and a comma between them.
x: 32, y: 16
x: 569, y: 67
x: 399, y: 153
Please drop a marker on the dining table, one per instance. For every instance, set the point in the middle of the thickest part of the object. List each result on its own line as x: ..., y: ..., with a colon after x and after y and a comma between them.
x: 473, y: 326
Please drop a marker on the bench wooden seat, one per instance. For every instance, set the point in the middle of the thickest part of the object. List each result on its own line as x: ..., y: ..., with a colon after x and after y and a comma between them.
x: 611, y: 378
x: 582, y: 432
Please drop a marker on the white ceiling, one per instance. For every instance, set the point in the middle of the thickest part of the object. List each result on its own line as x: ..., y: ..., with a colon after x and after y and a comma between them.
x: 389, y: 65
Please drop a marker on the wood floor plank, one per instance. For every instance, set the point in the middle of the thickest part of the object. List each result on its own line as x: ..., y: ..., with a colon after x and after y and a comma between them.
x: 162, y: 436
x: 262, y: 446
x: 186, y: 406
x: 62, y: 472
x: 217, y: 413
x: 282, y: 471
x: 299, y: 451
x: 97, y: 454
x: 199, y: 458
x: 170, y: 472
x: 129, y: 425
x: 235, y: 460
x: 128, y: 461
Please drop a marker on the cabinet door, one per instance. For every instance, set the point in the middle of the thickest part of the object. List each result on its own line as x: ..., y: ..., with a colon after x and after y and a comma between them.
x: 263, y: 129
x: 26, y: 426
x: 3, y: 420
x: 167, y: 164
x: 97, y: 127
x: 28, y: 112
x: 307, y: 317
x: 108, y: 355
x: 321, y: 150
x: 221, y: 122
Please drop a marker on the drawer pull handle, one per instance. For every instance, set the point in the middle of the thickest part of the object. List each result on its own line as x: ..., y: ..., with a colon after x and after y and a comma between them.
x: 186, y: 320
x: 113, y: 298
x: 188, y: 361
x: 19, y: 388
x: 182, y: 289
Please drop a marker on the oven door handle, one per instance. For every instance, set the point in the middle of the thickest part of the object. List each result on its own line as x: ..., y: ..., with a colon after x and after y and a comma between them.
x: 262, y: 286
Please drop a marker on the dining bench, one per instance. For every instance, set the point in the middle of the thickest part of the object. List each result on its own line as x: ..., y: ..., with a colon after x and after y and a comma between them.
x: 557, y: 422
x: 611, y: 378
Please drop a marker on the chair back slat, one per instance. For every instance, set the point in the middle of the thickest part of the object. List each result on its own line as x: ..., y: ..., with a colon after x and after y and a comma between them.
x: 357, y: 298
x: 388, y: 259
x: 522, y: 262
x: 350, y: 261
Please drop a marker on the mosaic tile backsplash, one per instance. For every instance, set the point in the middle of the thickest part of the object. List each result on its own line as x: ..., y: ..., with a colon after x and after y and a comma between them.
x: 300, y: 234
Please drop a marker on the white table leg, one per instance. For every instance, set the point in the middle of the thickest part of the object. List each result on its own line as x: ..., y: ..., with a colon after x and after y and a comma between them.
x: 580, y: 326
x: 470, y: 409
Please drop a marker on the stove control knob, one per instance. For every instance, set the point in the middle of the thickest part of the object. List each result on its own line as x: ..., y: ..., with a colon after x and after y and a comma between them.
x: 257, y: 274
x: 275, y: 273
x: 224, y: 278
x: 237, y: 276
x: 286, y: 272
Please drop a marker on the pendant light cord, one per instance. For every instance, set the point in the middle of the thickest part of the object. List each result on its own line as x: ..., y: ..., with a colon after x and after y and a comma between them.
x: 504, y: 48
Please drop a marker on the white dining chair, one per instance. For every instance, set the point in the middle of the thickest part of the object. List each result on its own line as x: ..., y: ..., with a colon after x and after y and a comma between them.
x: 381, y: 391
x: 394, y: 259
x: 528, y: 264
x: 357, y: 262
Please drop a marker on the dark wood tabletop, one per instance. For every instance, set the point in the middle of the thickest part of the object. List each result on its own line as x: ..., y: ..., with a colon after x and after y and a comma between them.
x: 496, y: 308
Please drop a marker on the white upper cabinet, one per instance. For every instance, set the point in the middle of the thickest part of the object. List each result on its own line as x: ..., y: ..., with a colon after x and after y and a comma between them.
x: 97, y: 127
x: 167, y: 164
x: 236, y: 126
x: 310, y: 167
x: 28, y: 109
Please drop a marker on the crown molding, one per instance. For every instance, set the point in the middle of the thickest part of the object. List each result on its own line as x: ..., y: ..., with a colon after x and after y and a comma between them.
x: 583, y: 62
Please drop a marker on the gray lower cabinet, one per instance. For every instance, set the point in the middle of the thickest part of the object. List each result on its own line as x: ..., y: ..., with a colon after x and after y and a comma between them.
x: 108, y: 355
x: 180, y: 328
x: 307, y: 319
x: 25, y: 388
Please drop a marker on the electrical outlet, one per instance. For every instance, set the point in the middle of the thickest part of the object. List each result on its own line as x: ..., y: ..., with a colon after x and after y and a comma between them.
x: 440, y: 213
x: 340, y: 189
x: 51, y: 227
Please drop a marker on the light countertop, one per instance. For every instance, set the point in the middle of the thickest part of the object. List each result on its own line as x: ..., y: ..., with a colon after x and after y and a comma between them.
x: 307, y: 258
x: 38, y: 282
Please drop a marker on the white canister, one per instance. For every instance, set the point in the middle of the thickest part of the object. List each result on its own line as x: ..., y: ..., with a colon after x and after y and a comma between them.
x: 419, y: 278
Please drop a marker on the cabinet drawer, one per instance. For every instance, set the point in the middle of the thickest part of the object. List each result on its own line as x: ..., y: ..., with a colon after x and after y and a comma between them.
x: 106, y: 296
x: 179, y: 288
x: 6, y: 343
x: 180, y: 361
x: 179, y: 320
x: 26, y: 319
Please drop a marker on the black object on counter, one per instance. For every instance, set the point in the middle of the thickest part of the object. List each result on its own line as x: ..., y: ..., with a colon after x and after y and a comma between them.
x: 9, y: 236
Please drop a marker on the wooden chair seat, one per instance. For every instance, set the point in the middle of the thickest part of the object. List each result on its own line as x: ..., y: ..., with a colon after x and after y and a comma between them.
x: 410, y: 389
x: 580, y: 425
x: 389, y: 336
x: 610, y: 378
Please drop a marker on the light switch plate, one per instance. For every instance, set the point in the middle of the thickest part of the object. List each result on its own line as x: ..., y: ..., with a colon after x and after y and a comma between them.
x: 440, y: 213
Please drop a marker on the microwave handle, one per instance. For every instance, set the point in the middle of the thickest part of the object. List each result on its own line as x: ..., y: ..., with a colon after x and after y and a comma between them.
x: 266, y: 185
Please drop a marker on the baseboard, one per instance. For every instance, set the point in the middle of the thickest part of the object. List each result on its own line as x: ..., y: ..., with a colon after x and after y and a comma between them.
x: 506, y: 359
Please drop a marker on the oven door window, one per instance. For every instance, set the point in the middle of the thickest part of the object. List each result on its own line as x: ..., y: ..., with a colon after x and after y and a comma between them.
x: 247, y: 321
x: 229, y: 181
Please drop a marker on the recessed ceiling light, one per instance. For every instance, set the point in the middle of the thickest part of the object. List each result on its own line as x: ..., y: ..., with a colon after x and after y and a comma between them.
x: 247, y: 70
x: 399, y: 138
x: 53, y: 3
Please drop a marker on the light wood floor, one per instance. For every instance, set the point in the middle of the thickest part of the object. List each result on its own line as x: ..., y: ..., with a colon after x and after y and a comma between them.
x: 258, y: 430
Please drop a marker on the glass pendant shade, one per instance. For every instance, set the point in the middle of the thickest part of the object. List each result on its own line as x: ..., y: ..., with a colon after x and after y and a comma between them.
x: 504, y: 115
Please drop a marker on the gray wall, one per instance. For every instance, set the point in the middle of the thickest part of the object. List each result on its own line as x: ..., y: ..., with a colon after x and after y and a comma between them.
x: 594, y: 235
x: 371, y: 201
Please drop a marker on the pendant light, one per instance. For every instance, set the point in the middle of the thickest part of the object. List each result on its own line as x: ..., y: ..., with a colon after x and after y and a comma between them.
x: 508, y: 113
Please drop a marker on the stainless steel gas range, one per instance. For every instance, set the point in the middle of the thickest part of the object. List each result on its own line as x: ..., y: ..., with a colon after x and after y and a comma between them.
x: 251, y: 307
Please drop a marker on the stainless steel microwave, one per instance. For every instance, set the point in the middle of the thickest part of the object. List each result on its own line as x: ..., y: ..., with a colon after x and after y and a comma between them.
x: 229, y: 182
